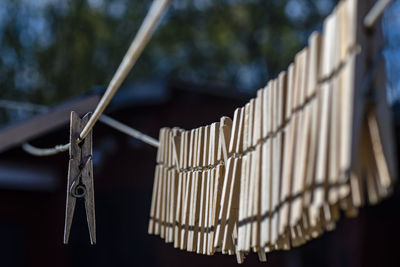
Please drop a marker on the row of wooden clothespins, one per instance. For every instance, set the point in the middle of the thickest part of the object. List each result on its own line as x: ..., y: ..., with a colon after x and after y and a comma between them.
x: 308, y: 146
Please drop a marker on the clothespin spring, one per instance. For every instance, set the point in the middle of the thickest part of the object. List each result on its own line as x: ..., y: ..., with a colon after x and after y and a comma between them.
x: 76, y: 189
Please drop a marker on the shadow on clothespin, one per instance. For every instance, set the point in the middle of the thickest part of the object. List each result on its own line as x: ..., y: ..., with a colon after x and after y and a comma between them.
x: 80, y: 176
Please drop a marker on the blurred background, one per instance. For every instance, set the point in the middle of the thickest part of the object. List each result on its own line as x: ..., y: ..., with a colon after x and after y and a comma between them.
x: 206, y: 59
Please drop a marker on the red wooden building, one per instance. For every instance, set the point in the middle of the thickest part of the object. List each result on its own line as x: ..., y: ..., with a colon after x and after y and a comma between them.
x: 32, y: 191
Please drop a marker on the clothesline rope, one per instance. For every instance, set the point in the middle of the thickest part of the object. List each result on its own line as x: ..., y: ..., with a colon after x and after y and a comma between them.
x: 42, y: 152
x: 143, y: 36
x: 128, y: 130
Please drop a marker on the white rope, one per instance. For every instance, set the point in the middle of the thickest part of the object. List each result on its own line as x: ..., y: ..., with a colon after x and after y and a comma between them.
x: 42, y: 152
x: 141, y: 39
x: 376, y: 11
x: 128, y: 130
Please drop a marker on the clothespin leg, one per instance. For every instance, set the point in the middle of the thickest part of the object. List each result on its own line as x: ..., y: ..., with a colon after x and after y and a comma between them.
x: 87, y: 181
x: 73, y: 171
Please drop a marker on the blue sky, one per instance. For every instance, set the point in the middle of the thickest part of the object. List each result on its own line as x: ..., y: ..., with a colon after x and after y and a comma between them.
x: 391, y: 30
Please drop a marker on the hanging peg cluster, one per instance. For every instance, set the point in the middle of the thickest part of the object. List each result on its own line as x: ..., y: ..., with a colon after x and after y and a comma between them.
x: 309, y: 145
x: 187, y: 186
x: 80, y: 176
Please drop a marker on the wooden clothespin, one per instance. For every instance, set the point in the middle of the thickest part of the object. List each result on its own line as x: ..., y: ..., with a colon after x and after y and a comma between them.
x: 80, y: 176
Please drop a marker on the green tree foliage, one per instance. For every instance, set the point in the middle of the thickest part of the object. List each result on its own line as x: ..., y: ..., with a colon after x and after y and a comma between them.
x: 52, y: 50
